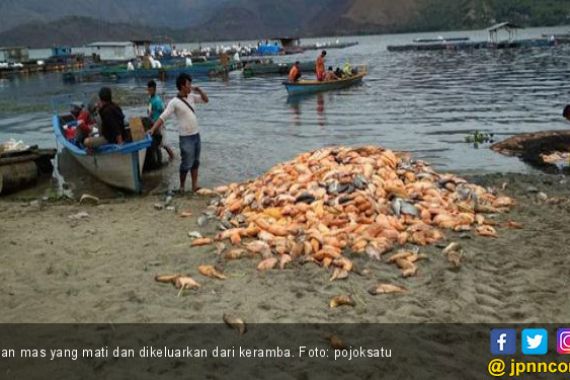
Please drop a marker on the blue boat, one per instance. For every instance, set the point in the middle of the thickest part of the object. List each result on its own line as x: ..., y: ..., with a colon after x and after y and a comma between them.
x: 116, y: 165
x: 312, y: 86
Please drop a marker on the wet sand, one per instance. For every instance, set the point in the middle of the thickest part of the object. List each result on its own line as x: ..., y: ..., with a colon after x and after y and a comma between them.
x: 101, y: 268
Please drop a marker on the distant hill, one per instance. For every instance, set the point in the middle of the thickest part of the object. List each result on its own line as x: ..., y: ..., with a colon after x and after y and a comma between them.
x: 44, y: 23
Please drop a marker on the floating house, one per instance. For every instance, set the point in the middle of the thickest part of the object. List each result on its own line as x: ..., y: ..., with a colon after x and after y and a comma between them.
x: 61, y: 51
x: 509, y: 27
x: 494, y: 42
x: 14, y: 54
x: 114, y: 51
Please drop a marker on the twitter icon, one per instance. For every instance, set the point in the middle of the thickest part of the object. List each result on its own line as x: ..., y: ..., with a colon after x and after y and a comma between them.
x: 534, y: 341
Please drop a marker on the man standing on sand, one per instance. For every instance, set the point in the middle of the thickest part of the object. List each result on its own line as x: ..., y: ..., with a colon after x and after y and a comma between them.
x: 320, y: 66
x: 183, y: 107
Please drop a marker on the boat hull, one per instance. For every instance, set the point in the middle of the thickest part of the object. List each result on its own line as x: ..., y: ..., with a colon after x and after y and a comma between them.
x: 116, y: 165
x: 313, y: 86
x: 119, y: 170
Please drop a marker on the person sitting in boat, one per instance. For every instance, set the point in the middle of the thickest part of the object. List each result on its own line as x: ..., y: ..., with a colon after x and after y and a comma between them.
x: 85, y: 122
x: 320, y: 66
x: 295, y: 72
x: 330, y: 74
x: 338, y: 73
x: 347, y: 69
x: 112, y: 122
x: 69, y: 128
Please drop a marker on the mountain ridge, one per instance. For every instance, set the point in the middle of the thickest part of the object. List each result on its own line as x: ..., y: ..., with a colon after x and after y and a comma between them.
x: 82, y: 21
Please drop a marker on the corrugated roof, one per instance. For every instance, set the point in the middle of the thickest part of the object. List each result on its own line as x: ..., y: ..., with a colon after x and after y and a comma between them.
x: 111, y: 44
x: 504, y: 25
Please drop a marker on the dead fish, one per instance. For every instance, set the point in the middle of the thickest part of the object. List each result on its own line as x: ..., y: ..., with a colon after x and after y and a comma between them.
x: 410, y: 271
x: 486, y: 231
x: 235, y: 254
x: 201, y: 241
x: 260, y: 247
x: 205, y: 192
x: 339, y: 274
x: 195, y: 235
x: 400, y: 256
x: 333, y: 187
x: 210, y: 271
x: 305, y: 198
x: 284, y: 260
x: 220, y: 248
x: 267, y: 264
x: 373, y: 252
x: 345, y: 299
x: 235, y: 322
x: 386, y: 289
x: 396, y: 206
x: 167, y: 278
x: 451, y: 247
x: 202, y: 220
x: 186, y: 214
x: 454, y: 257
x: 360, y: 182
x: 225, y: 225
x: 513, y: 224
x: 185, y: 282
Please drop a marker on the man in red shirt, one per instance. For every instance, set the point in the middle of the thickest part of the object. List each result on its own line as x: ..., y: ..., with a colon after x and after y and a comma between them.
x: 320, y: 66
x: 85, y: 122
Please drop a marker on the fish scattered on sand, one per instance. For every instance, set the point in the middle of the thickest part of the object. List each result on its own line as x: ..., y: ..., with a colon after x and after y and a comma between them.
x: 235, y: 322
x: 210, y: 271
x: 342, y: 300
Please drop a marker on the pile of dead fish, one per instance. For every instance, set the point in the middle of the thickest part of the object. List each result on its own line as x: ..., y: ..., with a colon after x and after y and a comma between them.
x: 366, y: 200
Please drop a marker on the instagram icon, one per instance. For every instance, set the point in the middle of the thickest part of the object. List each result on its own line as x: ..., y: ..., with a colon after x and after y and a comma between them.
x: 563, y: 341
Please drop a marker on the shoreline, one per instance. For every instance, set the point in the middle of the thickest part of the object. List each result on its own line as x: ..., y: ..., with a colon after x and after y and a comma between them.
x: 101, y: 268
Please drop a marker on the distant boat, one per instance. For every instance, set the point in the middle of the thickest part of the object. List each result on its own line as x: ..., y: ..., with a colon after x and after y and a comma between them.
x: 311, y: 86
x: 116, y: 165
x: 270, y: 67
x: 440, y: 39
x: 207, y: 68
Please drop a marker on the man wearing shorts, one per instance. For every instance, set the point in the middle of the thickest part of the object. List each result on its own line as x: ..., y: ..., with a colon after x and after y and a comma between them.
x: 183, y: 106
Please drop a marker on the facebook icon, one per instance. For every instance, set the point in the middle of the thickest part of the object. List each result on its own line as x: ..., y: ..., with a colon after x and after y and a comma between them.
x: 503, y: 341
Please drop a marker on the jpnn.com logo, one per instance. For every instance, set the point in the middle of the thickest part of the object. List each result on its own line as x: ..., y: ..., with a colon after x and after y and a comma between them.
x: 504, y: 341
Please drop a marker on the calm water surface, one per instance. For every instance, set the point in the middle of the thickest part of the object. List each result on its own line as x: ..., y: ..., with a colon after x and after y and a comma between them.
x: 423, y: 102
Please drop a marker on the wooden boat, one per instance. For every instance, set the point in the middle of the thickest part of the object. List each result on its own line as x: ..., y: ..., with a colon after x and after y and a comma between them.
x: 270, y: 67
x: 311, y: 86
x: 116, y: 165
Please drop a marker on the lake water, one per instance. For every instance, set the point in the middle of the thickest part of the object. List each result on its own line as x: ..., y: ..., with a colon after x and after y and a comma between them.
x: 422, y: 102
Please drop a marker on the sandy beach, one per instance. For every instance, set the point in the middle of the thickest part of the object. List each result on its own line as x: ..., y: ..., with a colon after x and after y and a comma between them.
x: 101, y: 268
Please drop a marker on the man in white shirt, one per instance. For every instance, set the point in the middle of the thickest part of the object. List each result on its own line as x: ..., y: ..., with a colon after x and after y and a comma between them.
x: 183, y: 106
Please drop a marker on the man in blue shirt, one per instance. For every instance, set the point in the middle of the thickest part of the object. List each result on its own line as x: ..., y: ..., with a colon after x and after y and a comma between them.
x: 155, y: 109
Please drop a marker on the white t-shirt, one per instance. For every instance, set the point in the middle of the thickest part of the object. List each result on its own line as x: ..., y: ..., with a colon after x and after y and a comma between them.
x: 185, y: 118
